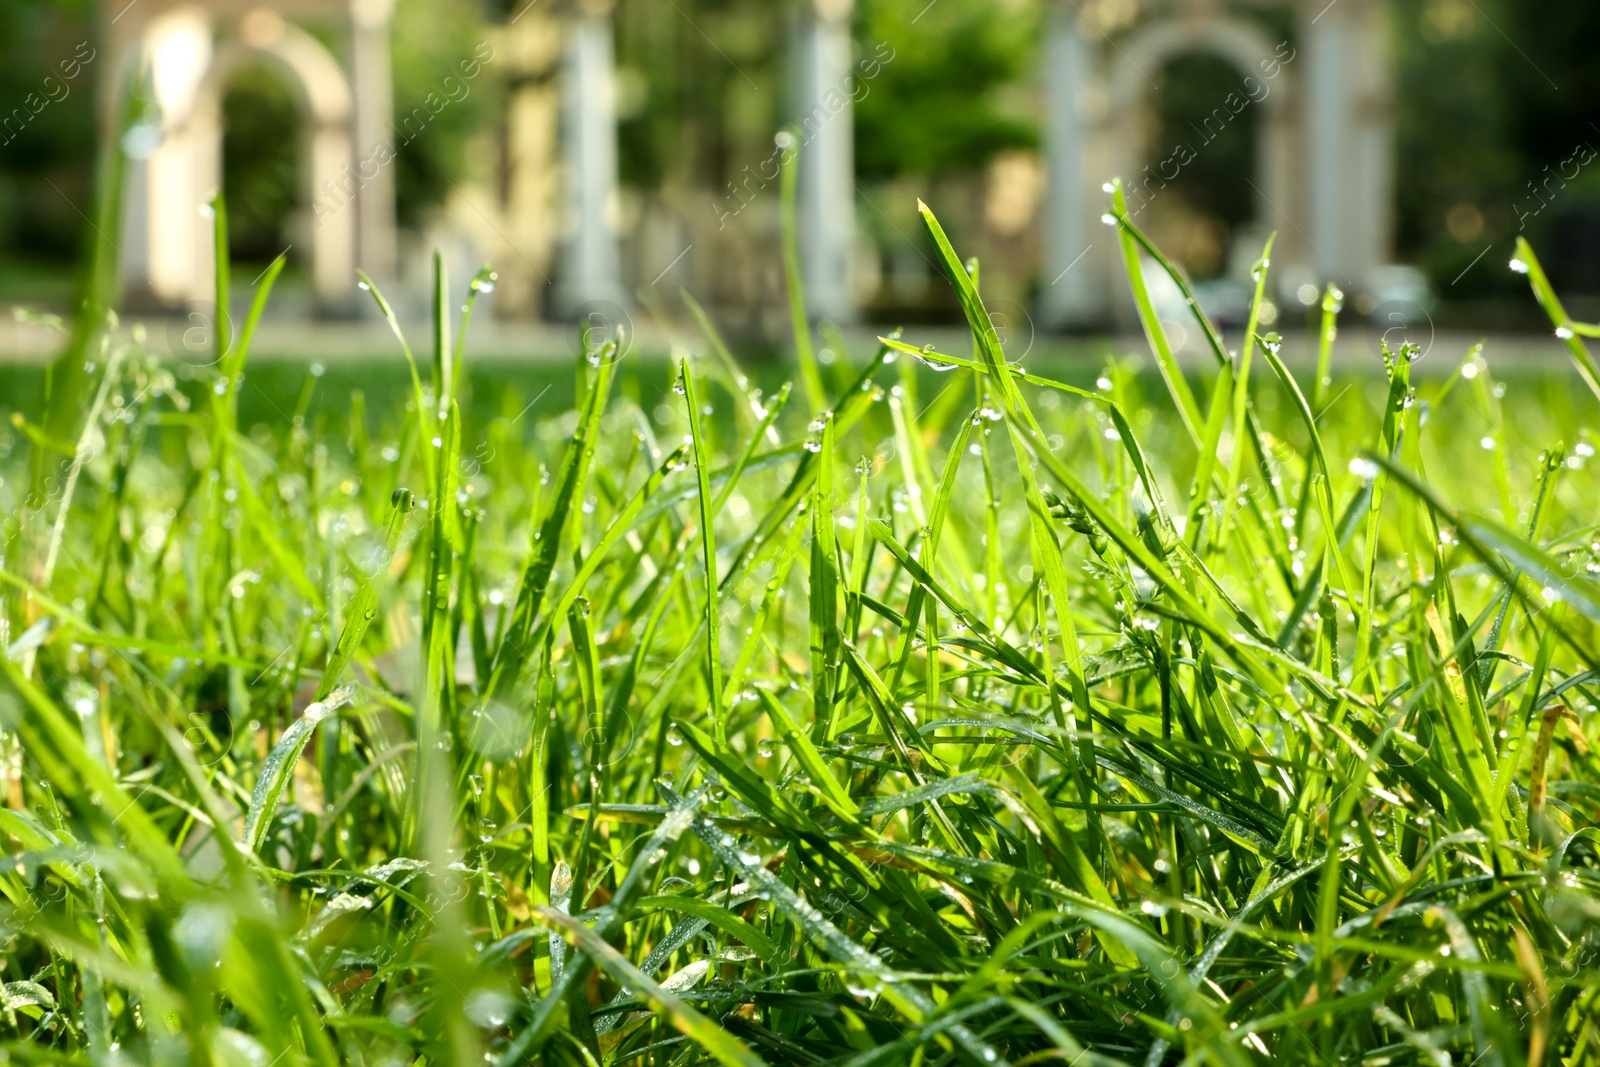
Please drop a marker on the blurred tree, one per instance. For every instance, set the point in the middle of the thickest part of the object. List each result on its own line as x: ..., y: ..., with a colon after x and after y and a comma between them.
x: 703, y: 86
x: 700, y: 89
x: 1489, y: 94
x: 52, y: 144
x: 439, y: 104
x: 946, y: 102
x: 1455, y: 174
x: 1549, y: 65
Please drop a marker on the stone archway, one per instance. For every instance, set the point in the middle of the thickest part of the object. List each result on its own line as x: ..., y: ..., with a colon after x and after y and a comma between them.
x: 326, y: 109
x: 1324, y: 172
x: 187, y: 51
x: 1266, y: 87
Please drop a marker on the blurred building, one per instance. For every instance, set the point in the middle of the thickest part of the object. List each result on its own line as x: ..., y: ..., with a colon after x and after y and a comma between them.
x: 170, y: 61
x: 1319, y: 97
x: 1312, y: 83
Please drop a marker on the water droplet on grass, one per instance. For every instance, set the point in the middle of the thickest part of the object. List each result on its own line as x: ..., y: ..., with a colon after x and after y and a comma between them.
x: 1364, y: 468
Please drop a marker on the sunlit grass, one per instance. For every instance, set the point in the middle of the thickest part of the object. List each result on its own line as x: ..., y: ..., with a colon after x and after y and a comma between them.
x: 957, y: 715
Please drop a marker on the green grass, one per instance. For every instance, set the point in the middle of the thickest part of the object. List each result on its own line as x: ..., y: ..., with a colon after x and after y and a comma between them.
x: 963, y: 716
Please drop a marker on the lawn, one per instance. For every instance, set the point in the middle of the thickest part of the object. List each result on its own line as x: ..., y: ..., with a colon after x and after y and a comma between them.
x: 931, y: 710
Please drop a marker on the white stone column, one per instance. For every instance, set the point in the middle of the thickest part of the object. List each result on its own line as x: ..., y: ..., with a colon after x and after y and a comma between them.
x: 590, y: 268
x: 1329, y: 50
x: 374, y: 118
x: 1278, y: 169
x: 531, y: 47
x: 120, y: 49
x: 1068, y: 295
x: 334, y: 244
x: 177, y: 179
x: 825, y: 123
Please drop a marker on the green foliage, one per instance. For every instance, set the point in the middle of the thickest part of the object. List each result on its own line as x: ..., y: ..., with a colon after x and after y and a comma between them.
x: 700, y: 87
x: 52, y: 138
x: 438, y: 107
x: 1488, y: 94
x: 938, y: 725
x: 939, y: 106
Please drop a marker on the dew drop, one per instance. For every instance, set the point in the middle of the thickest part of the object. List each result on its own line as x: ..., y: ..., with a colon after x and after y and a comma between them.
x: 1363, y: 468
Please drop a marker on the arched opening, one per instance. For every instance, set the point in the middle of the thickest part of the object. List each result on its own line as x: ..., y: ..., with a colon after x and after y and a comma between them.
x: 272, y: 129
x: 1214, y: 152
x: 262, y: 167
x: 1204, y: 142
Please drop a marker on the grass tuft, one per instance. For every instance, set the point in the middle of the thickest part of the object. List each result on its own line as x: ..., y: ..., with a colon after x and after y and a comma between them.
x: 966, y: 715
